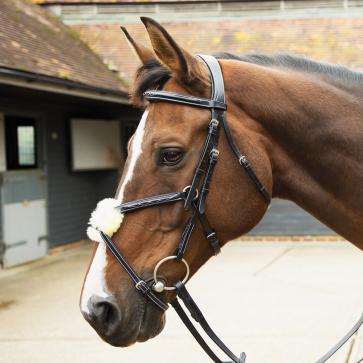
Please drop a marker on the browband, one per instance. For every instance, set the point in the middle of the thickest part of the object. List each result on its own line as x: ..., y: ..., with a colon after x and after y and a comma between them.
x: 172, y: 97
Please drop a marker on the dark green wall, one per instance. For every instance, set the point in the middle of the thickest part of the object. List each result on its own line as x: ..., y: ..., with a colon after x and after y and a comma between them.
x: 71, y: 196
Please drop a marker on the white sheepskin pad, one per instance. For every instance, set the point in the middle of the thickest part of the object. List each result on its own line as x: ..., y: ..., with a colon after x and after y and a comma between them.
x: 106, y: 218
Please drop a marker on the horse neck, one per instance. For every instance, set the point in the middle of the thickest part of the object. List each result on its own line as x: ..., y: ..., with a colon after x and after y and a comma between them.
x: 313, y: 134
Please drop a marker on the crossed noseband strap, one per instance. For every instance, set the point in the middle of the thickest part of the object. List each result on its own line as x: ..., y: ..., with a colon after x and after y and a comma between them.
x: 194, y: 199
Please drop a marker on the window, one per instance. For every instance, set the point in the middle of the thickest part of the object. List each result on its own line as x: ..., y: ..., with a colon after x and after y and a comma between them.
x: 95, y: 144
x: 26, y: 145
x: 21, y: 150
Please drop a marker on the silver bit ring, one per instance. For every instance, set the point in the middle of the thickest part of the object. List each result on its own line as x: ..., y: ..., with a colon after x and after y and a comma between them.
x: 169, y: 288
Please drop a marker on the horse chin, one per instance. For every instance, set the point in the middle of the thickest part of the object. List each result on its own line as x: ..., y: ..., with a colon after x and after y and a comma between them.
x: 145, y: 323
x: 153, y: 323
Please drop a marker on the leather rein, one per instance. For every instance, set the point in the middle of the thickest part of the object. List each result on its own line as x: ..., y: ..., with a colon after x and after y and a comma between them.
x: 194, y: 198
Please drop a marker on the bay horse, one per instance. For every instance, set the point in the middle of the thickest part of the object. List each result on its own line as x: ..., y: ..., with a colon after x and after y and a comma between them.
x: 299, y: 122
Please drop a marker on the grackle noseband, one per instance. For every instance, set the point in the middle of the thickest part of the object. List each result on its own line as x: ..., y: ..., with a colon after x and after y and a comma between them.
x: 194, y: 198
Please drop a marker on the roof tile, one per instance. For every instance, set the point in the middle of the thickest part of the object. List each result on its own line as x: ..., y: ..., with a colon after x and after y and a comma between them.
x: 33, y: 40
x: 116, y: 1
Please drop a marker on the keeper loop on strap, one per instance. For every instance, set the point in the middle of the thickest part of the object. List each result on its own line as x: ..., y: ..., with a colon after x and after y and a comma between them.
x: 142, y: 286
x: 214, y: 242
x: 214, y: 154
x: 244, y: 161
x: 214, y: 122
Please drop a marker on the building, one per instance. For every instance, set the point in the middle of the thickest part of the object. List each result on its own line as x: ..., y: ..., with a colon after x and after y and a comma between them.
x: 53, y: 91
x: 64, y: 74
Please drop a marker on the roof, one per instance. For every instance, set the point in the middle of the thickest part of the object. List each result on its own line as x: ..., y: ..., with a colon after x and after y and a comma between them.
x: 334, y: 40
x: 34, y: 41
x: 122, y: 1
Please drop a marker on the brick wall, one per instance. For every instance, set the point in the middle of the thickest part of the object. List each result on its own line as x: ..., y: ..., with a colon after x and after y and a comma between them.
x: 335, y: 40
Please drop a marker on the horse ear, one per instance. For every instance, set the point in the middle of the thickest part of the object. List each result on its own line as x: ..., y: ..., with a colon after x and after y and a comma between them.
x: 145, y: 54
x: 184, y: 65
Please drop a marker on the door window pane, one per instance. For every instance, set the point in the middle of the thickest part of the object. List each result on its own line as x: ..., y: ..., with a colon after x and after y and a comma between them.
x: 26, y: 145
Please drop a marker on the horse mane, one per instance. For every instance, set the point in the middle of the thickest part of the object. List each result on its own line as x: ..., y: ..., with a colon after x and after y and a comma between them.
x: 153, y: 75
x: 298, y: 63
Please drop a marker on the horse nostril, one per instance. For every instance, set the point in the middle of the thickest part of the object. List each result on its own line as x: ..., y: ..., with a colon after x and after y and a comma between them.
x: 101, y: 310
x: 104, y: 314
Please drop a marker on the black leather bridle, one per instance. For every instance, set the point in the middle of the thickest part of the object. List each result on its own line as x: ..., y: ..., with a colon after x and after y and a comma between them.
x: 194, y: 198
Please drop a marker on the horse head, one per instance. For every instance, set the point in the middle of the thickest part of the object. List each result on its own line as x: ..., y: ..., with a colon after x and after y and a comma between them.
x: 163, y: 155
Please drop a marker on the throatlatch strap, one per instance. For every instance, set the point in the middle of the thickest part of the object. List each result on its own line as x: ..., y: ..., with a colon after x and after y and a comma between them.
x: 242, y: 159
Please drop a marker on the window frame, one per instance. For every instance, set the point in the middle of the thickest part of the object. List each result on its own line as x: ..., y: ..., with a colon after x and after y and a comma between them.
x: 12, y: 122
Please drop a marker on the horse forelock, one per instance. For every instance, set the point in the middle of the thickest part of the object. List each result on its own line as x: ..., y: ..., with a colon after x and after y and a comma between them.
x: 151, y: 75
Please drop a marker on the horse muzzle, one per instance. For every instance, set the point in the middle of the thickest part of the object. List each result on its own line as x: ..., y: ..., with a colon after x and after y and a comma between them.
x: 124, y: 326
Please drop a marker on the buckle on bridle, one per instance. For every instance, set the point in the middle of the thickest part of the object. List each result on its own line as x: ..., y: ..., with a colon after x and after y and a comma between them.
x: 213, y: 126
x: 244, y: 161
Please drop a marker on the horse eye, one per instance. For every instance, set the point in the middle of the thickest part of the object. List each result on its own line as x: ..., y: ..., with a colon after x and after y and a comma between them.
x: 171, y: 156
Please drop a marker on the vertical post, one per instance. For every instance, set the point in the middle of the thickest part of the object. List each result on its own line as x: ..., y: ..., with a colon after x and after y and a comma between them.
x: 2, y: 144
